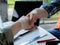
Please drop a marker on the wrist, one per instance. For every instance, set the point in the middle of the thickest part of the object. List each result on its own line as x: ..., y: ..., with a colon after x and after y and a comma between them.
x: 16, y: 27
x: 40, y: 12
x: 36, y: 12
x: 19, y: 25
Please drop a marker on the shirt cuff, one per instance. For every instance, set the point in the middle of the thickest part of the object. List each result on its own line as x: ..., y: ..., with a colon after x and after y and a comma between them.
x: 45, y: 6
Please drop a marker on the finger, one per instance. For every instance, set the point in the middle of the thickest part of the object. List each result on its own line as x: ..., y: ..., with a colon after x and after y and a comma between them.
x: 32, y: 28
x: 30, y: 25
x: 31, y: 16
x: 28, y: 15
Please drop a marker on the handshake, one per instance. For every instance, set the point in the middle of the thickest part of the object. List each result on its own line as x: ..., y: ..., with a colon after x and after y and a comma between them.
x: 27, y: 22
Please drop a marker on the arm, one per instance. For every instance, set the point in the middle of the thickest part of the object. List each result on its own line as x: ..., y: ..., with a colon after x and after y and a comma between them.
x: 16, y: 27
x: 10, y: 30
x: 46, y: 10
x: 22, y: 23
x: 52, y: 7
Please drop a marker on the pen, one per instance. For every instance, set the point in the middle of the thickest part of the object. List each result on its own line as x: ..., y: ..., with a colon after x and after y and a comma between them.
x: 34, y: 39
x: 47, y: 40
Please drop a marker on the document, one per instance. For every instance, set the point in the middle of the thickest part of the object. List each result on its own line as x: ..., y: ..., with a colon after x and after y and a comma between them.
x: 30, y: 37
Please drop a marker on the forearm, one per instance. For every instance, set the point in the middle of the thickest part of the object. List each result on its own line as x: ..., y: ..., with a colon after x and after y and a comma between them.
x: 16, y: 27
x: 52, y: 7
x: 42, y: 13
x: 22, y: 23
x: 47, y: 10
x: 39, y: 12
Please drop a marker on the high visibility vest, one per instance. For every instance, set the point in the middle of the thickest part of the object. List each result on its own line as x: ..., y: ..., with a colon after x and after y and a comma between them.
x: 58, y: 23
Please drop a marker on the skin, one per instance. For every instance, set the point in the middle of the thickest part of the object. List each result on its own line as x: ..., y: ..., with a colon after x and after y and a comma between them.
x: 23, y: 23
x: 37, y: 13
x: 27, y: 22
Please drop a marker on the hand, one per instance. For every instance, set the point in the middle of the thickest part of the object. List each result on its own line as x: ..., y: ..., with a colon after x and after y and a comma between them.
x: 26, y: 23
x: 33, y: 15
x: 23, y: 23
x: 37, y: 13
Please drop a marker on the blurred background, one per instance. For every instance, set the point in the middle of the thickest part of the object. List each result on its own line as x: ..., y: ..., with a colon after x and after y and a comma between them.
x: 3, y: 10
x: 52, y: 20
x: 11, y: 7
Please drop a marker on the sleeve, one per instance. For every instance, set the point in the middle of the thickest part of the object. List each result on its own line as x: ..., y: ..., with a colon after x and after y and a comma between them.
x: 52, y: 7
x: 8, y: 36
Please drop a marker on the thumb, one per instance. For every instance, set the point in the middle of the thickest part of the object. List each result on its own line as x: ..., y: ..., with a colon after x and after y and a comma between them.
x: 30, y: 16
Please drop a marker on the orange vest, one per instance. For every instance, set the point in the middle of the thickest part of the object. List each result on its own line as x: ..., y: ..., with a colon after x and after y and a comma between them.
x: 58, y: 23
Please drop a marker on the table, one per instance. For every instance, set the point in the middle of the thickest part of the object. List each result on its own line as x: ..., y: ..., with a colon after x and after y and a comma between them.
x: 30, y: 36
